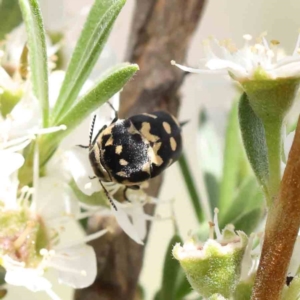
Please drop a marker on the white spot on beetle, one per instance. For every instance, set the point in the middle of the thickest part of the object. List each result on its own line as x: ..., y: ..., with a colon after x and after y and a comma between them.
x: 167, y: 127
x: 119, y: 149
x: 145, y: 130
x: 123, y: 162
x: 173, y: 143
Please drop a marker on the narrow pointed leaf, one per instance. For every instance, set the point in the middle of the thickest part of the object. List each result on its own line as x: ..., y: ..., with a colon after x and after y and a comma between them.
x: 109, y: 84
x: 249, y: 221
x: 170, y: 272
x: 157, y: 296
x: 209, y: 147
x: 89, y: 46
x: 183, y: 287
x: 2, y: 275
x: 210, y: 158
x: 247, y: 198
x: 231, y: 156
x: 37, y: 53
x: 10, y: 16
x: 253, y: 135
x: 191, y: 187
x: 213, y: 190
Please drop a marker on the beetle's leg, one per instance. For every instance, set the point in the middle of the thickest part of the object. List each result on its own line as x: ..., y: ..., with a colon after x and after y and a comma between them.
x: 108, y: 196
x: 124, y: 194
x: 110, y: 183
x: 92, y: 177
x: 133, y: 187
x: 83, y: 146
x: 116, y: 113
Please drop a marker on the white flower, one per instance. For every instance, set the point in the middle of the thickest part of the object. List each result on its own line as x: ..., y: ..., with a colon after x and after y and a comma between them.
x: 30, y: 240
x: 24, y: 121
x: 249, y: 62
x: 14, y: 45
x: 131, y: 217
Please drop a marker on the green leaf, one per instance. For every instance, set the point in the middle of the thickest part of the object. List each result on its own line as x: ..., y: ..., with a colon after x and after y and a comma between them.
x: 170, y: 272
x: 190, y: 184
x: 247, y: 197
x: 10, y: 16
x: 37, y: 53
x: 213, y: 190
x: 109, y: 84
x: 231, y: 156
x: 183, y: 287
x: 2, y: 276
x: 141, y: 292
x: 253, y: 135
x: 208, y: 146
x: 157, y: 296
x: 249, y: 221
x: 210, y: 158
x: 89, y: 46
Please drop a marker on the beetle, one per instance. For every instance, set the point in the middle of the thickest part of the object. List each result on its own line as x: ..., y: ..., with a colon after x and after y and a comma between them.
x: 133, y: 150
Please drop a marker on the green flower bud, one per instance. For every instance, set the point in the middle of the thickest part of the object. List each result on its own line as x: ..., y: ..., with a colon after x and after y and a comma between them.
x: 271, y: 98
x: 215, y: 266
x: 243, y: 290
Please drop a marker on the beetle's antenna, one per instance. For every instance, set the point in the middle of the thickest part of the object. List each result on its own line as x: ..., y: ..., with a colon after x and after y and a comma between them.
x: 116, y: 113
x: 92, y: 130
x: 108, y: 196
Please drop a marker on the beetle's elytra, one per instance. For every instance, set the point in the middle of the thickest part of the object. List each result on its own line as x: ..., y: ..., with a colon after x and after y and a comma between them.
x: 131, y: 151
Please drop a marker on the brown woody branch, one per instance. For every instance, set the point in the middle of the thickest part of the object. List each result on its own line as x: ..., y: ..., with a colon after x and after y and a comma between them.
x: 161, y: 31
x: 281, y: 230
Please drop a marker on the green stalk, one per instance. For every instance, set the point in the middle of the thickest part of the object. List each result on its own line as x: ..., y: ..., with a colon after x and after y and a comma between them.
x: 273, y: 132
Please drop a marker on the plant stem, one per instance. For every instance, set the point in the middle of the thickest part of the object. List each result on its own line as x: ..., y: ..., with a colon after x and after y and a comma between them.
x: 282, y: 227
x: 273, y: 131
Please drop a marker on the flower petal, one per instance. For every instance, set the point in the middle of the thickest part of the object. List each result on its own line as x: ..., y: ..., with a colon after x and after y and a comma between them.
x: 77, y: 266
x: 81, y: 169
x: 27, y: 278
x: 124, y: 222
x: 55, y: 199
x: 10, y: 162
x: 25, y: 117
x: 221, y: 64
x: 17, y: 275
